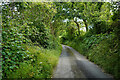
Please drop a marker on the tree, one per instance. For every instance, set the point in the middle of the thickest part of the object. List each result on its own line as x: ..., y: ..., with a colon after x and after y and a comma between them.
x: 71, y: 11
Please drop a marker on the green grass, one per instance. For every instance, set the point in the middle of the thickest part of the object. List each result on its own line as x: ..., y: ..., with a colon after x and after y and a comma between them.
x: 39, y: 63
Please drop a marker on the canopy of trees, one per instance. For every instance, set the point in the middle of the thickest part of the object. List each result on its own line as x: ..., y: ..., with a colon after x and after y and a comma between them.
x: 49, y: 24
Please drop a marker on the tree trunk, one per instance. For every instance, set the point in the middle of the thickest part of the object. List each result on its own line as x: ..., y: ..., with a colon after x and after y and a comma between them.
x: 78, y: 27
x: 52, y: 29
x: 85, y: 25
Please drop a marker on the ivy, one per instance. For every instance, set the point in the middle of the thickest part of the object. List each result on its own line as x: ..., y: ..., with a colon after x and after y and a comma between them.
x: 12, y: 51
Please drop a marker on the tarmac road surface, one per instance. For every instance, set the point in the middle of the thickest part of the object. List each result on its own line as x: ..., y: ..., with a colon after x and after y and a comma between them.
x: 74, y: 65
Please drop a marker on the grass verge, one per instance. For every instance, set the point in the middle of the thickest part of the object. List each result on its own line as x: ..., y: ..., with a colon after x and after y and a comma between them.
x: 39, y: 63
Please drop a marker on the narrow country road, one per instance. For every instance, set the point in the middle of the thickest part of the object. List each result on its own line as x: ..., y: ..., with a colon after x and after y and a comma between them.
x: 74, y: 65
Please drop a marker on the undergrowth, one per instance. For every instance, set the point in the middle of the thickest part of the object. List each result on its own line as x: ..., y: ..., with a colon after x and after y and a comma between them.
x: 102, y: 49
x: 39, y: 63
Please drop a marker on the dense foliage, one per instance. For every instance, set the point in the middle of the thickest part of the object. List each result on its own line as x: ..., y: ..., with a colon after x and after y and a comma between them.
x: 97, y: 35
x: 102, y: 49
x: 23, y: 29
x: 12, y: 51
x: 32, y: 33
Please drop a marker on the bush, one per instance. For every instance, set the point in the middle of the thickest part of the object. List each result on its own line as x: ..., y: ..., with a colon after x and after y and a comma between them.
x: 102, y: 49
x: 12, y: 51
x: 39, y: 64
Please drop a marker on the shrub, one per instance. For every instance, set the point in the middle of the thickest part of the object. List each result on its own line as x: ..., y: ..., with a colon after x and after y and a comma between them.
x: 102, y: 49
x: 40, y: 63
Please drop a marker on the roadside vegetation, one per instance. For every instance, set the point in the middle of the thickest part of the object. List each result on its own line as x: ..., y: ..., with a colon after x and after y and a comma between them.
x: 100, y: 39
x: 29, y: 50
x: 102, y: 49
x: 32, y: 34
x: 39, y: 63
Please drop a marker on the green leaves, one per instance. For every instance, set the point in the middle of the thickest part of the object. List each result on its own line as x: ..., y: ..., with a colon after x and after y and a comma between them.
x: 25, y: 23
x: 12, y: 52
